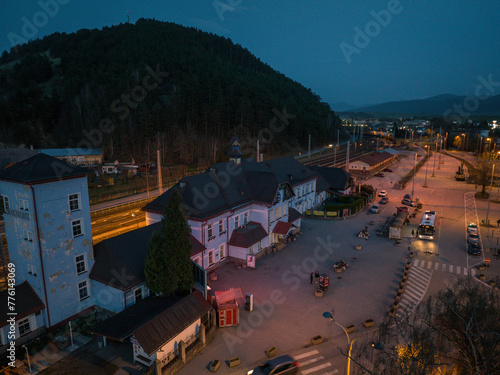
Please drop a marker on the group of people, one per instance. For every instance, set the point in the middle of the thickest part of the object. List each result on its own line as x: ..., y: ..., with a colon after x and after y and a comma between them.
x: 315, y: 276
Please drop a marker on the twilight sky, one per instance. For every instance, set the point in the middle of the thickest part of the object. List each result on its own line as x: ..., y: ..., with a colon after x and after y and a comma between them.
x: 358, y: 52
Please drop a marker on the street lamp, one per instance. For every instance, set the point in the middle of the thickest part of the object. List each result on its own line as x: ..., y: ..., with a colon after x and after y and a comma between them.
x: 375, y: 345
x: 489, y: 200
x: 426, y: 166
x: 434, y: 166
x: 463, y: 144
x: 28, y: 355
x: 414, y: 175
x: 136, y: 219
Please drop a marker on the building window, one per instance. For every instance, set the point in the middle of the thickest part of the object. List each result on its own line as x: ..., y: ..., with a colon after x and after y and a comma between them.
x: 221, y: 226
x: 278, y: 213
x: 260, y: 245
x: 81, y: 264
x: 31, y: 270
x: 236, y: 222
x: 23, y: 205
x: 138, y: 294
x: 6, y: 205
x: 222, y: 251
x: 245, y: 218
x: 77, y: 227
x: 24, y: 326
x: 210, y: 230
x: 250, y: 250
x: 285, y: 210
x: 74, y: 202
x: 210, y: 258
x: 28, y: 235
x: 83, y: 290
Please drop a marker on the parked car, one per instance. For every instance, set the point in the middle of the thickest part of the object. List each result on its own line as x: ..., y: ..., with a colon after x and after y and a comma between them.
x: 384, y: 200
x: 407, y: 196
x: 474, y: 249
x: 283, y: 365
x: 380, y: 174
x: 382, y: 193
x: 409, y: 202
x: 473, y: 238
x: 374, y: 209
x: 387, y: 170
x: 472, y: 227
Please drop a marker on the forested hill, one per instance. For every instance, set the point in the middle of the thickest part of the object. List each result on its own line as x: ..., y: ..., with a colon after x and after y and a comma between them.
x: 137, y: 86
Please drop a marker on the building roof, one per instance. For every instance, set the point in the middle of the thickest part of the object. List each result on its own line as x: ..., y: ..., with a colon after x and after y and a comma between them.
x: 334, y: 178
x: 288, y: 170
x: 126, y: 254
x: 220, y: 188
x: 171, y: 322
x: 375, y: 158
x: 293, y: 215
x: 67, y: 152
x: 10, y: 156
x: 120, y: 326
x: 282, y: 227
x: 27, y: 302
x: 247, y: 235
x: 41, y: 168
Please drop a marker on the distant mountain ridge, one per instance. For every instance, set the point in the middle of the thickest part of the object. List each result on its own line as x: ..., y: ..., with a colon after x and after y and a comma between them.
x: 446, y: 104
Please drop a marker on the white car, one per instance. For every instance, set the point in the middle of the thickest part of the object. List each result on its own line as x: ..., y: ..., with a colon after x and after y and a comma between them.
x: 374, y: 209
x: 472, y: 228
x: 382, y: 193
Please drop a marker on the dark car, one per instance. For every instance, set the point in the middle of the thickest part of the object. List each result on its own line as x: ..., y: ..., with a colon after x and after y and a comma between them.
x: 384, y: 200
x: 474, y: 249
x: 407, y: 196
x: 280, y: 365
x: 379, y: 174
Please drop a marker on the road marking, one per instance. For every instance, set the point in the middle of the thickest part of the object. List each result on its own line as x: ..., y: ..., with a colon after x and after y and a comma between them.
x: 331, y: 372
x: 473, y: 272
x: 300, y: 356
x: 465, y: 271
x: 317, y: 368
x: 451, y: 268
x: 317, y: 359
x: 436, y: 266
x: 429, y: 265
x: 458, y: 269
x: 444, y: 267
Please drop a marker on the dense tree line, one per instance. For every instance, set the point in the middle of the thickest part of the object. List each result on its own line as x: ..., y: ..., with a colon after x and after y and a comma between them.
x: 158, y: 84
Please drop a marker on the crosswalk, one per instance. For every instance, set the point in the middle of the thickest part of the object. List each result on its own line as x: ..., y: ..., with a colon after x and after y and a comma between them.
x: 319, y: 366
x: 415, y: 289
x: 443, y: 267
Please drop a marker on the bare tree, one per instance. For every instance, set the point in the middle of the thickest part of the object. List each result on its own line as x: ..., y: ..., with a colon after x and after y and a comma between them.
x: 481, y: 174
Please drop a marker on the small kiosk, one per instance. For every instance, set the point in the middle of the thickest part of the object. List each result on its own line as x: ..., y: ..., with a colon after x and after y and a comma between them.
x: 324, y: 281
x: 226, y: 305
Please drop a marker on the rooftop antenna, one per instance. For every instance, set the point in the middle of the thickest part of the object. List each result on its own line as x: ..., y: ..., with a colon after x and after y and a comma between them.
x: 128, y: 17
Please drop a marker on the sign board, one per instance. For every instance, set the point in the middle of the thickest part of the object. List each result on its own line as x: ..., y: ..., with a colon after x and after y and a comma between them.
x: 250, y: 261
x: 487, y: 260
x: 345, y: 212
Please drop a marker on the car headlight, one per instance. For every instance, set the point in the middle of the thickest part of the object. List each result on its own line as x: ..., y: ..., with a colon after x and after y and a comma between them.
x: 250, y: 372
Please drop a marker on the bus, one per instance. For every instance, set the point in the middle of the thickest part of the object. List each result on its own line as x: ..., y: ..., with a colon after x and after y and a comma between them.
x: 427, y: 228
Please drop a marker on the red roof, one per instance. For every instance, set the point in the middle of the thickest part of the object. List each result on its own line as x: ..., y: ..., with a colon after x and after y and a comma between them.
x: 281, y: 227
x: 228, y: 296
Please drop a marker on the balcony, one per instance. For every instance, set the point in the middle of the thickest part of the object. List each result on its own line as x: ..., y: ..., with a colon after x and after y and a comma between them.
x: 18, y: 213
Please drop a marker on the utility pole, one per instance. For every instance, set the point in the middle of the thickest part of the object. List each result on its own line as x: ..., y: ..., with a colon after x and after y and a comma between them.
x: 426, y: 166
x: 309, y: 146
x: 434, y: 167
x: 489, y: 200
x: 160, y: 185
x: 414, y: 175
x: 440, y: 148
x: 347, y: 159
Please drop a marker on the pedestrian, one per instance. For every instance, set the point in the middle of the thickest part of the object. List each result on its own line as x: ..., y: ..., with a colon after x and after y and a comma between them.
x: 412, y: 232
x: 312, y: 276
x: 316, y: 275
x: 498, y: 222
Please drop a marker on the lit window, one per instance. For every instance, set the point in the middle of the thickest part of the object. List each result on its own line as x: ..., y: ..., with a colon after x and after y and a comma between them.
x: 210, y: 258
x: 278, y: 213
x: 83, y: 290
x: 81, y: 265
x: 236, y: 221
x: 24, y: 326
x: 23, y: 205
x: 77, y: 228
x: 245, y: 218
x: 222, y: 251
x: 74, y: 202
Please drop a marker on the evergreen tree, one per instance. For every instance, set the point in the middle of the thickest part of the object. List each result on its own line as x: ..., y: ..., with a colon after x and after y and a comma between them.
x: 168, y: 267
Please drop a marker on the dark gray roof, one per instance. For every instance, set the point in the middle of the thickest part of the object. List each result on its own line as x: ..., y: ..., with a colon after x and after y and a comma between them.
x: 9, y: 156
x: 220, y: 188
x: 126, y: 255
x: 289, y: 170
x: 247, y: 235
x: 41, y: 168
x: 168, y: 324
x: 27, y: 302
x: 120, y: 326
x: 336, y: 178
x: 293, y: 215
